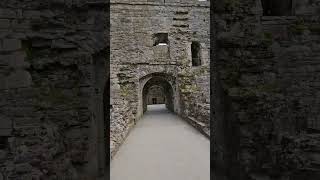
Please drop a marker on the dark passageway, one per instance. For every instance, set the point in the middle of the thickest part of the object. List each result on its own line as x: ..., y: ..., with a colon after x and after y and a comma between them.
x: 159, y: 88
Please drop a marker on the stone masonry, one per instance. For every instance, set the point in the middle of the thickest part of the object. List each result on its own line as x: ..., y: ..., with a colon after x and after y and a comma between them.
x: 54, y: 82
x: 266, y: 89
x: 137, y: 62
x: 52, y: 75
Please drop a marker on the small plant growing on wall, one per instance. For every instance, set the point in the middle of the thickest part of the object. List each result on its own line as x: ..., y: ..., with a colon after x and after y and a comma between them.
x: 125, y: 90
x: 299, y: 27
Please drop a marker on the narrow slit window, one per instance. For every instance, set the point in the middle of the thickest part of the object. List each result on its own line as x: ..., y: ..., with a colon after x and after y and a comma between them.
x: 195, y: 51
x: 277, y: 7
x: 161, y: 39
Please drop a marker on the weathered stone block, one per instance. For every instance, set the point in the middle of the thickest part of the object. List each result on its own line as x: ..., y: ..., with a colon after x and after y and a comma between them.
x: 3, y: 155
x: 31, y: 14
x: 20, y: 25
x: 23, y: 168
x: 4, y: 23
x: 11, y: 44
x: 12, y: 143
x: 62, y: 44
x: 17, y: 79
x: 7, y: 13
x: 161, y: 51
x: 5, y: 126
x: 17, y: 60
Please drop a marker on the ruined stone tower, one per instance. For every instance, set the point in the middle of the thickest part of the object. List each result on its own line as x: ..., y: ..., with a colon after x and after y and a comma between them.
x: 55, y: 78
x: 159, y: 43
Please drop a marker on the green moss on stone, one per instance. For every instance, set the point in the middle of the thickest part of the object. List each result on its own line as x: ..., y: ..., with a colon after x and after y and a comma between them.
x: 26, y: 46
x: 267, y: 38
x: 189, y: 88
x: 268, y: 35
x: 315, y: 28
x: 299, y: 27
x: 124, y: 90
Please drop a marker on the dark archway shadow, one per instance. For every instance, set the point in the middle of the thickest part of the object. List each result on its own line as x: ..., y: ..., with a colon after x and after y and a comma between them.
x: 166, y: 86
x: 106, y: 119
x: 99, y: 138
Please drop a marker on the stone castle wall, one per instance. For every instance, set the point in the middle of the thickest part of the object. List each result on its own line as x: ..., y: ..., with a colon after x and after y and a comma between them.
x: 267, y: 68
x: 52, y: 74
x: 134, y: 58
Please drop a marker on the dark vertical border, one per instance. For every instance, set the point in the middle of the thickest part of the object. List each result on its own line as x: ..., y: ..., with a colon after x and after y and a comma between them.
x: 212, y: 57
x: 224, y: 125
x: 107, y: 93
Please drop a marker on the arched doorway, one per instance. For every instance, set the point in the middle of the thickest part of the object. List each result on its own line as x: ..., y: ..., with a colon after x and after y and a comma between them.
x: 164, y: 86
x: 160, y: 82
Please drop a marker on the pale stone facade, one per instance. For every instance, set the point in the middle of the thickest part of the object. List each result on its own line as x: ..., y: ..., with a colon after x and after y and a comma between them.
x: 151, y: 45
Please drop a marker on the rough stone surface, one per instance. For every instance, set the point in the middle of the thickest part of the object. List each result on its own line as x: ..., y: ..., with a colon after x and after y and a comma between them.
x: 137, y: 63
x: 266, y: 123
x: 49, y: 51
x: 53, y: 73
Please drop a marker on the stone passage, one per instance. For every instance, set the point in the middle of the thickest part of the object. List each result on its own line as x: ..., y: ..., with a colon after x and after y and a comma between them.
x: 162, y: 45
x: 162, y: 146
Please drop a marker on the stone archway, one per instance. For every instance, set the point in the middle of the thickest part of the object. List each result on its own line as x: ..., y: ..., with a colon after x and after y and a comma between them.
x: 167, y: 82
x: 167, y: 91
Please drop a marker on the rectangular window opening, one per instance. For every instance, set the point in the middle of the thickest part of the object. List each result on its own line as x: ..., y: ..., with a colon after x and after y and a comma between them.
x: 195, y: 51
x: 161, y: 39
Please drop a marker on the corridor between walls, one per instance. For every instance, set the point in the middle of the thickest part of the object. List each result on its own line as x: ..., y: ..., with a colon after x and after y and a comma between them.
x: 162, y: 146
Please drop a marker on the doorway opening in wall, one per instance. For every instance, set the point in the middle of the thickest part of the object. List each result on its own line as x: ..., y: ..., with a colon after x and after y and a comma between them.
x: 161, y: 137
x: 157, y: 92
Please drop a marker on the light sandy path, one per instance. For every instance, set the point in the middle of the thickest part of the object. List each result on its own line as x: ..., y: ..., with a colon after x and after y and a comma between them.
x: 162, y: 147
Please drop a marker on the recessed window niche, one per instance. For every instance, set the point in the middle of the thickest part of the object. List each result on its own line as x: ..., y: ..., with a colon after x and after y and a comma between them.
x: 195, y: 53
x: 160, y: 39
